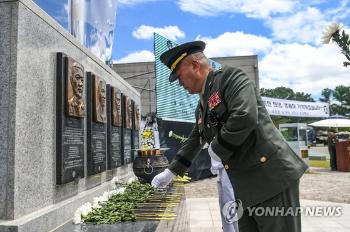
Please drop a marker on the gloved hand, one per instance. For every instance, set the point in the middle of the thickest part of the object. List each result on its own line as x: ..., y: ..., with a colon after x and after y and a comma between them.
x: 212, y: 154
x: 163, y: 179
x: 215, y: 166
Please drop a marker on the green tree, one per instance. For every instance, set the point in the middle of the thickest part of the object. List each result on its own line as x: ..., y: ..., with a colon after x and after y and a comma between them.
x: 327, y: 95
x: 301, y: 96
x: 279, y: 92
x: 342, y: 94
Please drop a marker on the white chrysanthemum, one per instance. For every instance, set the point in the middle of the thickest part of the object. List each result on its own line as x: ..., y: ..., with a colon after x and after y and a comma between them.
x: 120, y: 190
x: 77, y: 219
x: 331, y: 29
x: 131, y: 179
x: 170, y: 134
x: 115, y: 180
x: 97, y: 200
x: 105, y: 196
x: 83, y: 210
x: 112, y: 193
x: 86, y: 209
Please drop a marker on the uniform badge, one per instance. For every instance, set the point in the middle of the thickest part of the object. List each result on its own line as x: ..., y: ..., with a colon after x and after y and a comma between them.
x: 214, y: 100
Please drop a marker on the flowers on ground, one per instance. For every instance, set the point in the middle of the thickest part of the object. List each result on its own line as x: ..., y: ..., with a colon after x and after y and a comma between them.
x: 114, y: 206
x: 82, y: 211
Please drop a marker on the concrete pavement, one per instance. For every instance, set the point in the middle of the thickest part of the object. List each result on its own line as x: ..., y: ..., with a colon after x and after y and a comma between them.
x: 205, y: 216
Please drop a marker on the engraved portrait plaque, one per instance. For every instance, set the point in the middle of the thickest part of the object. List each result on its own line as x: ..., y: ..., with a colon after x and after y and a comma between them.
x: 129, y: 112
x: 114, y: 127
x: 127, y: 129
x: 137, y: 117
x: 116, y: 107
x: 99, y: 95
x: 96, y: 128
x: 75, y: 106
x: 70, y: 111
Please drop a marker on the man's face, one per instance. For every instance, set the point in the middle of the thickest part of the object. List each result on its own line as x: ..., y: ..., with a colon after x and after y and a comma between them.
x: 130, y: 106
x: 102, y: 96
x: 188, y: 72
x: 77, y: 82
x: 117, y: 102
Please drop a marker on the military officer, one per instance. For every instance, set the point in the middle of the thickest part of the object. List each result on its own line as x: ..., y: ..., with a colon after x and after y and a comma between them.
x: 263, y: 170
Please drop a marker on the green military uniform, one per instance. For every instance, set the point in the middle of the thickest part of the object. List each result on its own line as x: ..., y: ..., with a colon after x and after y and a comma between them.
x: 263, y: 169
x: 258, y: 161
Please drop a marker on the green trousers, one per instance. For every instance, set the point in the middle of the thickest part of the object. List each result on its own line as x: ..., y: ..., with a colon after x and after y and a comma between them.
x: 280, y: 213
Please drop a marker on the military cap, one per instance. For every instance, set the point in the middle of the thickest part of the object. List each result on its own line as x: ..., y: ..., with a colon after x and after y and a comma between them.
x: 173, y: 57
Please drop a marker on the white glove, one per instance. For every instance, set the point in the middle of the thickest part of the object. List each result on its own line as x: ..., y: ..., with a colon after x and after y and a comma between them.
x: 163, y: 179
x: 215, y: 166
x: 212, y: 154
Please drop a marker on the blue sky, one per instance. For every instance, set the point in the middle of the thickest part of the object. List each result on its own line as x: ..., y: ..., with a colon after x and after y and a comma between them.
x: 284, y: 33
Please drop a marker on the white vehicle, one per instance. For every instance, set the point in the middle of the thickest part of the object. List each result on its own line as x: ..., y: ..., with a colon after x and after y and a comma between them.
x: 296, y: 136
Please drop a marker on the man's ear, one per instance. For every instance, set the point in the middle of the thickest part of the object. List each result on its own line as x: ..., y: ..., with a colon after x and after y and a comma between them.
x: 196, y: 65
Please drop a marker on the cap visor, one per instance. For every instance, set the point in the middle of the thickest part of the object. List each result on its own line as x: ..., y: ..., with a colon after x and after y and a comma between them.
x: 173, y: 77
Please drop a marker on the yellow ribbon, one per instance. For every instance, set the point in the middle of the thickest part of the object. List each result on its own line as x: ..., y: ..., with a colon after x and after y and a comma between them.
x: 173, y: 66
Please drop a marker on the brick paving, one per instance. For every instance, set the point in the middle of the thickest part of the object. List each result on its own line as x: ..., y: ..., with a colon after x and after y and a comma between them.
x: 320, y: 184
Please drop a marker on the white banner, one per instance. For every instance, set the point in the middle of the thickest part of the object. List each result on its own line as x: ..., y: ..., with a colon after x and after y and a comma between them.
x: 290, y: 108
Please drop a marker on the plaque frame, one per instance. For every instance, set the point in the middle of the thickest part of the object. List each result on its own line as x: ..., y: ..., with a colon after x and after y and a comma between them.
x: 70, y: 140
x: 96, y: 132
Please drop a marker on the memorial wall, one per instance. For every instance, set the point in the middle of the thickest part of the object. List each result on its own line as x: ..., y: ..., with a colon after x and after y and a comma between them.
x: 68, y: 122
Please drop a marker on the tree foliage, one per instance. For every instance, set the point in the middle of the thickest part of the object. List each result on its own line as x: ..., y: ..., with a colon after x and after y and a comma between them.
x: 338, y: 99
x: 286, y: 93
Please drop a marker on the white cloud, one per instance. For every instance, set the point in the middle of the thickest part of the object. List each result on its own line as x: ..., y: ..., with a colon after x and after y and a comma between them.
x: 303, y: 68
x: 146, y: 32
x: 339, y: 13
x: 235, y: 44
x: 305, y: 26
x: 139, y: 56
x: 252, y: 8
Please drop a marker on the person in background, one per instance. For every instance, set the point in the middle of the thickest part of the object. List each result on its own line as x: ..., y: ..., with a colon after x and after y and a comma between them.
x: 332, y: 140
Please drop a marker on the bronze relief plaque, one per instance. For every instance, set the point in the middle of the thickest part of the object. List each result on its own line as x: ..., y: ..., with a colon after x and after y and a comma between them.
x: 75, y: 104
x: 116, y: 107
x: 128, y: 112
x: 70, y: 111
x: 99, y: 95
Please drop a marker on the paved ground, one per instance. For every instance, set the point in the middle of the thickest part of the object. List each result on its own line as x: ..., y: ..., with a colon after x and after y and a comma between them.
x: 205, y: 217
x: 320, y: 187
x: 320, y: 184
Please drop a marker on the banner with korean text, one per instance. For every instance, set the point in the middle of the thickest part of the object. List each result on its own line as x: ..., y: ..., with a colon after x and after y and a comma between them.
x: 283, y: 107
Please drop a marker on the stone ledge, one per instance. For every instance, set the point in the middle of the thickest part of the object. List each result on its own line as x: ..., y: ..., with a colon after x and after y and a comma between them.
x: 180, y: 224
x: 56, y: 215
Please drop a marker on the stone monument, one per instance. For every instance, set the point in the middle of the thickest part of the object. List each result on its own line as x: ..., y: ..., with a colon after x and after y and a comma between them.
x: 43, y: 120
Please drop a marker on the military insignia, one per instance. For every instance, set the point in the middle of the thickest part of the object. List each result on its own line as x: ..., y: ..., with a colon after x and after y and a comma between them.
x: 214, y: 100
